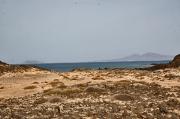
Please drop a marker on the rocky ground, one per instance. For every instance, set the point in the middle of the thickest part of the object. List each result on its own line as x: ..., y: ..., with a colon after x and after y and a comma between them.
x: 103, y: 94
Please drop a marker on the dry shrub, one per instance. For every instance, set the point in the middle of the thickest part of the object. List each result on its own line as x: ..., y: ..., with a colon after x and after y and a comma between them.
x: 171, y: 76
x: 98, y: 78
x: 1, y: 99
x: 1, y: 87
x: 53, y: 84
x: 82, y: 85
x: 92, y: 89
x: 74, y: 78
x: 66, y: 91
x: 47, y: 90
x: 122, y: 83
x: 90, y: 75
x: 30, y: 87
x: 35, y: 83
x: 141, y: 74
x: 123, y: 97
x: 104, y: 74
x: 65, y: 77
x: 173, y: 102
x: 61, y: 85
x: 44, y: 82
x: 56, y: 80
x: 120, y: 76
x: 70, y: 91
x: 52, y: 91
x: 156, y: 78
x: 40, y: 101
x: 55, y: 100
x: 57, y: 84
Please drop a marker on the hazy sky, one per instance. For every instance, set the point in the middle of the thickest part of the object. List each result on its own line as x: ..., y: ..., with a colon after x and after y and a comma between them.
x: 87, y: 30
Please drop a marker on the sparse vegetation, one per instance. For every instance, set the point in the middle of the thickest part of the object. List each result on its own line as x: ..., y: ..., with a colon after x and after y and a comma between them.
x: 171, y: 76
x: 98, y: 78
x: 40, y: 101
x: 55, y: 100
x: 123, y: 97
x: 30, y: 87
x: 66, y: 91
x: 53, y: 83
x: 35, y: 83
x: 65, y: 77
x: 57, y: 84
x: 116, y: 98
x: 92, y: 89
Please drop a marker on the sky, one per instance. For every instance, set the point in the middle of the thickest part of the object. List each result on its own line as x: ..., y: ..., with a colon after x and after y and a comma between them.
x: 87, y: 30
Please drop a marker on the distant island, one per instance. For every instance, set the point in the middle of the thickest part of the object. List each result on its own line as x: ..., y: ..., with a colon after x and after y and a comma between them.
x: 144, y: 57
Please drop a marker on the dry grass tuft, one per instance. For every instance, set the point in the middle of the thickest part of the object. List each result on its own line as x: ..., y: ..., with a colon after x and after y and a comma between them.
x: 122, y: 83
x: 55, y: 100
x: 70, y: 91
x: 61, y: 86
x: 123, y: 97
x: 35, y: 83
x: 141, y: 75
x: 65, y: 77
x: 171, y: 76
x: 92, y: 89
x: 53, y: 84
x: 66, y: 91
x: 56, y: 80
x: 40, y: 101
x: 98, y: 78
x: 30, y: 87
x: 57, y: 84
x: 74, y: 78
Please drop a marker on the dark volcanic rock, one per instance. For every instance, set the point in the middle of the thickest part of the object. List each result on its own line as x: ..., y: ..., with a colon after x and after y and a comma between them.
x: 173, y: 64
x: 2, y: 63
x: 176, y: 61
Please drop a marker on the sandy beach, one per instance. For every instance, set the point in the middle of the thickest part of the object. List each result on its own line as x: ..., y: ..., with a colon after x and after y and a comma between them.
x: 111, y: 93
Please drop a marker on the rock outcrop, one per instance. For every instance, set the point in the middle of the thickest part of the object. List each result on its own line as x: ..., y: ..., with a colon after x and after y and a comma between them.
x: 173, y: 64
x: 2, y: 63
x: 176, y: 61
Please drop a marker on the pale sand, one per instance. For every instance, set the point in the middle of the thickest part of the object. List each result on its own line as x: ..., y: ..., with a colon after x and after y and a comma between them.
x: 13, y: 84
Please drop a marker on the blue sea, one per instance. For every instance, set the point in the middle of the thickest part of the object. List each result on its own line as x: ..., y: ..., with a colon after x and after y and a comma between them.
x: 64, y: 67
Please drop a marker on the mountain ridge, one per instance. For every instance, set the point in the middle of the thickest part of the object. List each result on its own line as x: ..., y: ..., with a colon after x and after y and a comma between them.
x: 144, y: 57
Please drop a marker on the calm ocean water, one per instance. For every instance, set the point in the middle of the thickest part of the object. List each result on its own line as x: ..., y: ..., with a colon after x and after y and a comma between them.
x: 95, y: 65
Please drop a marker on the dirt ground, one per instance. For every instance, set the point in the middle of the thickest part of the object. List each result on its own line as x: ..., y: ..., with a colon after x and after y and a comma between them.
x: 86, y: 94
